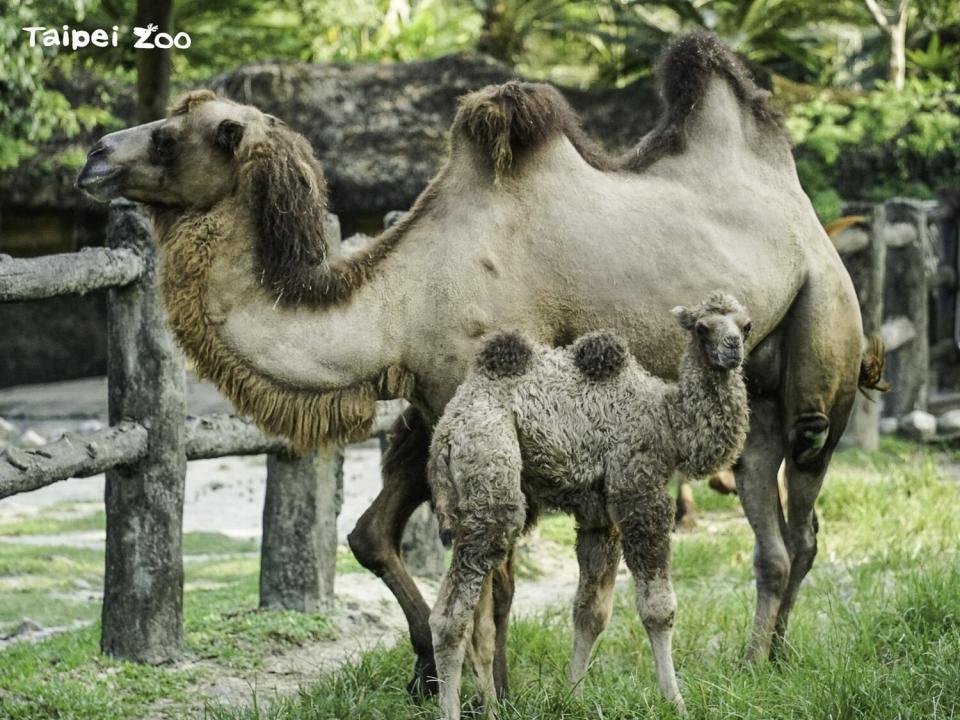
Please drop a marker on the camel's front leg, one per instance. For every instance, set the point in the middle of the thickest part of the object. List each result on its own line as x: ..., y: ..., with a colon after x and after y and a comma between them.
x: 503, y: 587
x: 598, y: 554
x: 375, y: 541
x: 756, y: 477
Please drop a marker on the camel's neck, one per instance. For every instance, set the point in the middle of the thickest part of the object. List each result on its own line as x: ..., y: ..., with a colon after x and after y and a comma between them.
x: 708, y: 414
x: 310, y: 373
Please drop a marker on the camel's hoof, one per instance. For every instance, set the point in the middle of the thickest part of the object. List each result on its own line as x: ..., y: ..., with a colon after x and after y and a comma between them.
x: 424, y: 681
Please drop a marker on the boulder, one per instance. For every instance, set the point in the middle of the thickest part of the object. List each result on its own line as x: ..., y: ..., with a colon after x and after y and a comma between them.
x: 889, y: 426
x: 949, y: 423
x: 918, y: 425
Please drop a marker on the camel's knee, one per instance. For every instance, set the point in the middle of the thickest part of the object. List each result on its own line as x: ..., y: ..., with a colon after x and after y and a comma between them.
x: 772, y: 567
x: 370, y: 544
x: 808, y: 437
x: 656, y: 604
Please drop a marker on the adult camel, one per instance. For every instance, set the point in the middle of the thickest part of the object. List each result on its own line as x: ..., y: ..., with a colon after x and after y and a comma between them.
x: 527, y: 226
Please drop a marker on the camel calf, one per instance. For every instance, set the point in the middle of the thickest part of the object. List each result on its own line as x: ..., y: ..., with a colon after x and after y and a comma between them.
x: 586, y: 430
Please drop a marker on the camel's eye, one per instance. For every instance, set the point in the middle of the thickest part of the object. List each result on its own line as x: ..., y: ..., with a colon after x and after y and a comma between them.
x: 162, y: 145
x: 746, y: 329
x: 702, y: 329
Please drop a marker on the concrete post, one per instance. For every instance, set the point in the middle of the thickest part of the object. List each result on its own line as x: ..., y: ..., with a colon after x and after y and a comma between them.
x: 143, y: 579
x: 298, y: 554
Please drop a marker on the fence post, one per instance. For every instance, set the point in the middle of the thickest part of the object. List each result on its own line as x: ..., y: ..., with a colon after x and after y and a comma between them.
x: 863, y: 251
x: 143, y: 579
x: 298, y: 552
x: 298, y: 557
x: 909, y: 261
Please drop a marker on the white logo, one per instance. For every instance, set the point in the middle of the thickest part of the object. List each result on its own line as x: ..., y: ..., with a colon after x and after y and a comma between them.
x: 72, y: 39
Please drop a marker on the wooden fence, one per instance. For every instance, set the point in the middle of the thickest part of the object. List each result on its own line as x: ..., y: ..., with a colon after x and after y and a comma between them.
x: 903, y: 257
x: 145, y: 449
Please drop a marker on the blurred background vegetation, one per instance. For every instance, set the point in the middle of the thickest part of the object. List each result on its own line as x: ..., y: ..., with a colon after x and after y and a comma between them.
x: 869, y: 74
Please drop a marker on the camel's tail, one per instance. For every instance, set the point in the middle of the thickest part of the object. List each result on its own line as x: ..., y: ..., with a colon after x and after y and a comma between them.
x: 871, y: 368
x: 443, y: 489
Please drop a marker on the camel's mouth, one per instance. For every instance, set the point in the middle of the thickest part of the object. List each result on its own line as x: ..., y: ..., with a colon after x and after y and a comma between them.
x: 99, y: 178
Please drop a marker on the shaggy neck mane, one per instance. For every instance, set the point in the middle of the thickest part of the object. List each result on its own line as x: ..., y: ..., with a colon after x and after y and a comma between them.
x: 308, y: 418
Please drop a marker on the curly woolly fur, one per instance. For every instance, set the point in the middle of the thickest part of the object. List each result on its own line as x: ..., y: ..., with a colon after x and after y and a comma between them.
x: 697, y: 424
x: 506, y: 121
x: 504, y: 355
x: 310, y: 419
x: 600, y: 355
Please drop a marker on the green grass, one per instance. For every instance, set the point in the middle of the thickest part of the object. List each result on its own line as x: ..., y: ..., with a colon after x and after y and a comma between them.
x: 876, y: 633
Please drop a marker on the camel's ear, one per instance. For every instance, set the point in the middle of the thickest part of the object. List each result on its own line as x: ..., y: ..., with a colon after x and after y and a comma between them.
x: 684, y: 317
x: 229, y: 135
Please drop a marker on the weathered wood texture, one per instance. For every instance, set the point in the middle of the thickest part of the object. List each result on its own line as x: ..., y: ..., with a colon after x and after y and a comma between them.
x: 79, y: 272
x: 909, y: 255
x: 299, y: 551
x: 864, y: 253
x: 26, y: 469
x: 213, y: 436
x: 143, y: 580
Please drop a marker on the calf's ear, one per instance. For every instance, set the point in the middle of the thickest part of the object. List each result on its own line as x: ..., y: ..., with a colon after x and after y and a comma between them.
x: 684, y: 317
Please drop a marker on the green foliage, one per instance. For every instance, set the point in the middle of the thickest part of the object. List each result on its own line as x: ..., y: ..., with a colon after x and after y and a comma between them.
x: 909, y: 139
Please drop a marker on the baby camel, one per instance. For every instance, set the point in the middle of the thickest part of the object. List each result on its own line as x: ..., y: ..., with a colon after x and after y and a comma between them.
x: 586, y: 430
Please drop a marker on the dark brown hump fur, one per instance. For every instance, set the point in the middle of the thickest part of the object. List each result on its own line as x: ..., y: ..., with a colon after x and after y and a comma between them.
x: 504, y: 121
x: 600, y: 355
x: 684, y: 72
x: 506, y: 354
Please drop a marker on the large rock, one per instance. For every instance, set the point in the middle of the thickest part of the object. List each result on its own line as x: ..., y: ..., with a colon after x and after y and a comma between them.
x: 949, y: 423
x: 918, y: 425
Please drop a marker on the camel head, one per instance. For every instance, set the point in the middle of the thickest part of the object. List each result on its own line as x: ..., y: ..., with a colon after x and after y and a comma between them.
x: 210, y: 151
x: 720, y: 327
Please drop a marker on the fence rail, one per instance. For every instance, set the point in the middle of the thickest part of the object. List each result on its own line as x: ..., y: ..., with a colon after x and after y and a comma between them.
x: 145, y: 450
x: 79, y: 272
x: 73, y: 456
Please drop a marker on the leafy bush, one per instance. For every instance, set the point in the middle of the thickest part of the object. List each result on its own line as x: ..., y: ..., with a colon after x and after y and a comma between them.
x: 873, y: 145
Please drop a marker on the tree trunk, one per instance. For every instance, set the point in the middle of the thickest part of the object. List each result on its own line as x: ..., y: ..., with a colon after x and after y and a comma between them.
x: 898, y: 51
x: 153, y: 66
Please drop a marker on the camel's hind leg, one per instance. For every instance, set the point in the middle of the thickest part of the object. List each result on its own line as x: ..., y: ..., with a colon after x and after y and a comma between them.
x: 822, y: 351
x: 375, y: 541
x: 598, y: 553
x: 804, y: 481
x: 756, y: 478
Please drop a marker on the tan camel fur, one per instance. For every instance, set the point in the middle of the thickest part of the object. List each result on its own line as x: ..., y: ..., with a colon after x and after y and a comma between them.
x: 527, y: 225
x: 585, y: 430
